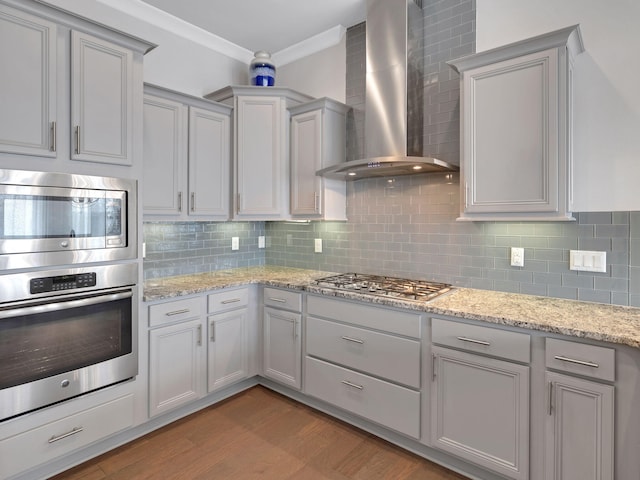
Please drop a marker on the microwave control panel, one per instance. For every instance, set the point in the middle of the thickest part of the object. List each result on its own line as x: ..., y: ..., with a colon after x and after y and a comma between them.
x: 62, y: 282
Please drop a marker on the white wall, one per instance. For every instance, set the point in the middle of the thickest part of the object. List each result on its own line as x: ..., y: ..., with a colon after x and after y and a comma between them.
x: 177, y: 63
x: 607, y: 87
x: 322, y: 74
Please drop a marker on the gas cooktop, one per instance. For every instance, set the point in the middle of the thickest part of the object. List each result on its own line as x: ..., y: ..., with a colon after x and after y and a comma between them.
x: 385, y: 286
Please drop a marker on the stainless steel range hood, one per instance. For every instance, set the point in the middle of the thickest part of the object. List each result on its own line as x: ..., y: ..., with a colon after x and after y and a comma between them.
x: 394, y: 96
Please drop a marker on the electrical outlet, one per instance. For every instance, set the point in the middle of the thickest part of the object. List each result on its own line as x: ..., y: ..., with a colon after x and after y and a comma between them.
x: 261, y: 241
x: 235, y: 243
x: 517, y: 257
x: 144, y: 249
x: 317, y: 245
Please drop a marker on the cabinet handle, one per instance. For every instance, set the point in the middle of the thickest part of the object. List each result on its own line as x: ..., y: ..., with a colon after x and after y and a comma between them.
x: 466, y: 194
x: 550, y: 400
x: 354, y: 385
x: 73, y: 431
x: 177, y: 312
x: 354, y: 340
x: 212, y: 326
x: 231, y: 300
x: 279, y: 300
x: 434, y: 361
x: 316, y: 202
x: 53, y: 136
x: 193, y: 201
x: 295, y: 329
x: 238, y: 203
x: 577, y: 362
x: 199, y: 342
x: 472, y: 340
x: 180, y: 202
x: 77, y: 139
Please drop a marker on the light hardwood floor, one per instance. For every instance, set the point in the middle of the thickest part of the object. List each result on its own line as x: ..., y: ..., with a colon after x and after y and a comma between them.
x: 263, y: 435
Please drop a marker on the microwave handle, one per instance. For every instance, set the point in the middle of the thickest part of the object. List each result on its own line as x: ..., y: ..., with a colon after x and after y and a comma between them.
x: 63, y: 305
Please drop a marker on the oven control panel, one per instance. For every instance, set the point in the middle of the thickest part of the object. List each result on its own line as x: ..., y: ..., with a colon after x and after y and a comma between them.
x: 62, y: 282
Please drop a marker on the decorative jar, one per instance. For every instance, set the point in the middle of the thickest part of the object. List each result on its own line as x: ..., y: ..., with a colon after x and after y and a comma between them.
x: 262, y: 70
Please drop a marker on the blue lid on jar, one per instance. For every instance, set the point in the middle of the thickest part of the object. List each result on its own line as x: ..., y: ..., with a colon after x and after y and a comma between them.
x: 262, y: 70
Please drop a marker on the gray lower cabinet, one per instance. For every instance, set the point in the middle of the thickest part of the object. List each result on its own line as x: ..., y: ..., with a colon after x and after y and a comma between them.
x: 579, y: 427
x: 282, y: 337
x: 479, y: 404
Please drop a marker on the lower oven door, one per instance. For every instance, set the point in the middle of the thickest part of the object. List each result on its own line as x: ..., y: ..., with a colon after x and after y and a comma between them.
x: 57, y: 348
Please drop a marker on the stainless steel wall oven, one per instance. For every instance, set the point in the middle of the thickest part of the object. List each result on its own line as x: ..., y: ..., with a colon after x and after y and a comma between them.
x: 64, y: 333
x: 54, y: 219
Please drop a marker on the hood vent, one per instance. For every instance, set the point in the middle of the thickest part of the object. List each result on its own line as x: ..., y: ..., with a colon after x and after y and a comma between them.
x: 394, y: 96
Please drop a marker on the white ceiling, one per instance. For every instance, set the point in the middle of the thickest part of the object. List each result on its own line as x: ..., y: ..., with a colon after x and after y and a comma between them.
x: 271, y: 25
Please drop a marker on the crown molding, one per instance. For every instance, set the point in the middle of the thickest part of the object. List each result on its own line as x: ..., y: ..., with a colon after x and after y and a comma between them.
x: 311, y: 45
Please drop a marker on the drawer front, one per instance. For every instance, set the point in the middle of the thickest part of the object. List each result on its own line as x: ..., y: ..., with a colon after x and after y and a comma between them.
x: 58, y: 438
x: 581, y: 359
x: 382, y: 402
x: 368, y: 316
x: 365, y: 350
x: 474, y: 338
x: 176, y: 311
x: 227, y: 300
x: 275, y: 297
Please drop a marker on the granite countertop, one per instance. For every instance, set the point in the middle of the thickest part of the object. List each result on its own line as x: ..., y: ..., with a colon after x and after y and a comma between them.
x: 595, y: 321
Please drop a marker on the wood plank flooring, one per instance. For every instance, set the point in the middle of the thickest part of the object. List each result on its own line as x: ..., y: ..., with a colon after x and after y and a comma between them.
x: 263, y: 435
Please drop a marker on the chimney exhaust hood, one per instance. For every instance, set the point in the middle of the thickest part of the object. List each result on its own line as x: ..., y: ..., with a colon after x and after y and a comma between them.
x: 394, y: 96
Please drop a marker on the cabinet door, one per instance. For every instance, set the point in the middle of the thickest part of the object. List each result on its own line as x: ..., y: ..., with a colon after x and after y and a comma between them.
x: 282, y: 347
x: 227, y: 348
x: 176, y: 358
x: 27, y: 84
x: 101, y: 100
x: 510, y: 132
x: 306, y: 159
x: 480, y: 411
x: 261, y: 165
x: 209, y: 160
x: 579, y: 429
x: 164, y: 156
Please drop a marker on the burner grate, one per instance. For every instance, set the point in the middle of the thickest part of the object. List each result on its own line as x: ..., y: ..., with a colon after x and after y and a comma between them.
x: 385, y: 286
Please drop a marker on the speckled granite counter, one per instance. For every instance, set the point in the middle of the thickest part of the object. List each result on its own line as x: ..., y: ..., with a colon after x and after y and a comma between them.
x: 594, y: 321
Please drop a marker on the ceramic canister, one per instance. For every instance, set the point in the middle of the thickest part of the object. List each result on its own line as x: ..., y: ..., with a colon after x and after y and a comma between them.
x: 262, y: 70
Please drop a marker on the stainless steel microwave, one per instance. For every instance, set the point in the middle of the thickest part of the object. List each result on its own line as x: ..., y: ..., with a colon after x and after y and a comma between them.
x: 51, y: 219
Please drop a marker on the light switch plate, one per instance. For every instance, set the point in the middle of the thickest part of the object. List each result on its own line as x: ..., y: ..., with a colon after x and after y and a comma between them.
x: 317, y: 245
x: 588, y: 261
x: 261, y: 241
x: 235, y: 243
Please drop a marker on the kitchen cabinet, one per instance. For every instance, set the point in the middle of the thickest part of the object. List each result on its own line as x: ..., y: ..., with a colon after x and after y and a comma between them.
x: 516, y: 129
x: 347, y: 361
x: 261, y: 149
x: 579, y: 428
x: 227, y: 354
x: 318, y: 140
x: 28, y: 83
x: 101, y: 100
x: 186, y: 156
x: 282, y: 336
x: 493, y: 393
x: 69, y: 89
x: 177, y: 354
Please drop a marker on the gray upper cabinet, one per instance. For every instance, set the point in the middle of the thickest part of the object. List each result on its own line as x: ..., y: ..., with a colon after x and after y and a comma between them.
x: 27, y: 84
x: 187, y: 156
x: 318, y: 140
x: 101, y: 100
x: 516, y: 129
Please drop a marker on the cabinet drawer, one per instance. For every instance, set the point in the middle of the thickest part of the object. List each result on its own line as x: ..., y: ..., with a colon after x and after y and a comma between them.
x: 365, y: 350
x: 176, y: 311
x: 275, y: 297
x: 382, y: 402
x: 227, y: 300
x: 368, y: 316
x: 474, y: 338
x: 58, y: 438
x: 580, y: 359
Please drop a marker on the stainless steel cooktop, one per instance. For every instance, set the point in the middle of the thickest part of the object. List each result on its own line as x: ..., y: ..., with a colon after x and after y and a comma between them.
x: 385, y: 286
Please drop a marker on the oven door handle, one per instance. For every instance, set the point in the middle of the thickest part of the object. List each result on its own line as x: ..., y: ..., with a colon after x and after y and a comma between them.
x: 64, y: 305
